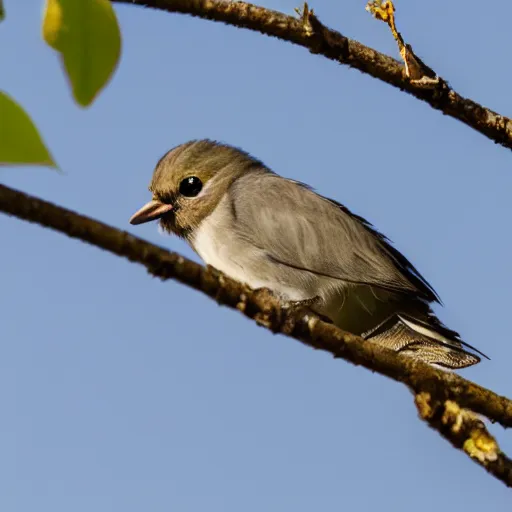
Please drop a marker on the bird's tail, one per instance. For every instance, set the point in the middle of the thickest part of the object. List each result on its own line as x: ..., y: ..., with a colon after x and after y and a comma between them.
x: 432, y: 344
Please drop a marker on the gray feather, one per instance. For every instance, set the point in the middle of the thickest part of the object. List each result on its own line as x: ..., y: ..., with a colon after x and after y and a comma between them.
x: 364, y: 281
x: 300, y: 229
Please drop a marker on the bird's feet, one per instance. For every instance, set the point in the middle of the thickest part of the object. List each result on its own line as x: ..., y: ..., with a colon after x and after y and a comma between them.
x: 306, y: 303
x: 289, y: 304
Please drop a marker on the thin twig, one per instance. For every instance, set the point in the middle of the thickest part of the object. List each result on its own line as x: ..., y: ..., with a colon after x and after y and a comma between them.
x: 310, y: 33
x: 415, y: 69
x: 467, y: 432
x: 266, y: 310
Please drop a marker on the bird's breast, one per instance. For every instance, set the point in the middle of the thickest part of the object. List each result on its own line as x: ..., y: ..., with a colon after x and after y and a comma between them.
x: 218, y: 246
x: 218, y: 243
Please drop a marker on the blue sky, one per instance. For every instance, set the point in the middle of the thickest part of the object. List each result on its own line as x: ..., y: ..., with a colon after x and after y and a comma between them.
x: 120, y: 392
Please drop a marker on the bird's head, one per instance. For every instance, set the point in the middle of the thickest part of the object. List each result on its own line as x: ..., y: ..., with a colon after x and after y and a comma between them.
x: 188, y: 183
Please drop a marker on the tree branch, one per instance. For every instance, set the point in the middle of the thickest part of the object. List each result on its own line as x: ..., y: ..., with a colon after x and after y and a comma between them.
x: 310, y: 33
x: 266, y: 310
x: 467, y: 432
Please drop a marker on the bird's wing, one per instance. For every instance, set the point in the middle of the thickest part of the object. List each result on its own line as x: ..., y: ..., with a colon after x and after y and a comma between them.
x: 303, y: 230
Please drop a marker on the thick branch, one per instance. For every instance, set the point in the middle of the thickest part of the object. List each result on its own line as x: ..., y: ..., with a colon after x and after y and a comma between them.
x: 265, y: 309
x: 310, y: 33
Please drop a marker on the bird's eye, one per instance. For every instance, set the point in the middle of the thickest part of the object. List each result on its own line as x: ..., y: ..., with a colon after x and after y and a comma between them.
x: 191, y: 186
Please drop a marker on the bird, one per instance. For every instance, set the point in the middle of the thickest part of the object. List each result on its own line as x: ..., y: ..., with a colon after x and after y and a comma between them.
x: 272, y: 232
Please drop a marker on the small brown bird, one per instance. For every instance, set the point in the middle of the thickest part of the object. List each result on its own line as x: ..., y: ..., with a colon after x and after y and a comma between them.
x: 271, y: 232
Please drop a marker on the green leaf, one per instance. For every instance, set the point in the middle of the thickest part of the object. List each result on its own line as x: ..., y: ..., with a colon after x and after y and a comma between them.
x: 20, y: 142
x: 86, y: 34
x: 2, y: 11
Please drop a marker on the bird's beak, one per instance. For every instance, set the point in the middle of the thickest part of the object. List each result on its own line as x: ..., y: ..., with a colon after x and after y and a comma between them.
x: 150, y: 211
